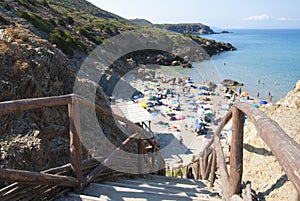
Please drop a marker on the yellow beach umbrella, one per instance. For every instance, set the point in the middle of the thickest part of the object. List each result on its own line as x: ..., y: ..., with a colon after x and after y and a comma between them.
x: 245, y: 93
x: 143, y: 105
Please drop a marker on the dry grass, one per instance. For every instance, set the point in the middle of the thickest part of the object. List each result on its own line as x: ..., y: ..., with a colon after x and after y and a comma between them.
x: 20, y: 65
x: 19, y: 35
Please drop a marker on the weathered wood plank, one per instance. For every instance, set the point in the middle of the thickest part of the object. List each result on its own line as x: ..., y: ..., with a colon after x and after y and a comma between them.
x: 93, y: 174
x: 236, y: 152
x: 33, y: 103
x: 140, y: 157
x: 212, y: 176
x: 222, y: 166
x: 36, y: 178
x: 75, y: 144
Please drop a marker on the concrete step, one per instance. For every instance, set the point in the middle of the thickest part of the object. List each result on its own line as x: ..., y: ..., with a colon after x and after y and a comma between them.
x: 154, y: 188
x: 127, y: 193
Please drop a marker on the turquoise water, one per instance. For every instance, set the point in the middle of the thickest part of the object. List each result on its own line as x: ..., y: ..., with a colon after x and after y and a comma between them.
x: 271, y: 56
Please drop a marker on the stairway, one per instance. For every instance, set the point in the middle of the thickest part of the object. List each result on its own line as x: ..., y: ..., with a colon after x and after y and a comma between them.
x: 152, y: 188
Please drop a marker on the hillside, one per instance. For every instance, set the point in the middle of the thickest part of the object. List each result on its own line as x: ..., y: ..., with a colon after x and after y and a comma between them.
x: 42, y: 46
x: 188, y: 28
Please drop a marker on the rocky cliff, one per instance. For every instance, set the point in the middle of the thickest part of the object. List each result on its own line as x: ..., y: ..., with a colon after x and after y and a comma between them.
x: 187, y: 28
x: 268, y: 179
x: 31, y: 67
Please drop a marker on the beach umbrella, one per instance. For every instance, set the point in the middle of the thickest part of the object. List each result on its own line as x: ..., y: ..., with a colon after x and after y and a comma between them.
x: 255, y: 105
x: 143, y: 105
x: 150, y: 104
x: 152, y: 98
x: 201, y: 94
x: 191, y: 102
x: 263, y: 102
x: 136, y: 96
x: 244, y: 93
x: 180, y: 117
x: 191, y: 96
x: 244, y: 99
x: 208, y: 112
x: 202, y: 88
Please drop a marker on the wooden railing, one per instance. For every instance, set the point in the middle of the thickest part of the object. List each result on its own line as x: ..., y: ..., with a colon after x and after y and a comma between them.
x: 79, y: 179
x: 283, y: 147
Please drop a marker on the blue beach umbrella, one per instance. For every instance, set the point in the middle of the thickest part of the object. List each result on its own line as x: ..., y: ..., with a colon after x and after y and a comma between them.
x: 203, y: 88
x: 255, y: 105
x: 263, y: 102
x: 191, y: 102
x: 136, y: 97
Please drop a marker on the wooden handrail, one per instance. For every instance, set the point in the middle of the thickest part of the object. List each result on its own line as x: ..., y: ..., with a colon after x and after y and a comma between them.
x: 34, y: 103
x: 36, y: 178
x: 73, y: 101
x: 283, y: 147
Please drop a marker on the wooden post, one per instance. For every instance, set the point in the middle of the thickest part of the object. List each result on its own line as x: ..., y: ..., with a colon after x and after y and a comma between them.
x: 187, y: 172
x: 181, y: 172
x: 206, y: 156
x: 213, y: 168
x: 201, y: 168
x: 153, y: 158
x: 236, y: 153
x: 208, y: 168
x: 140, y: 157
x: 75, y: 144
x: 197, y: 169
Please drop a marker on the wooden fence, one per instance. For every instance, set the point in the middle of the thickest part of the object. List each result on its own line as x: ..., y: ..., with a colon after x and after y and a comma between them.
x: 283, y: 147
x: 81, y: 173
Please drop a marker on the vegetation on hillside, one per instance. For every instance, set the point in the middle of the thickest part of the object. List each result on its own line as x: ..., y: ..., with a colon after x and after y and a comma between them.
x: 72, y: 25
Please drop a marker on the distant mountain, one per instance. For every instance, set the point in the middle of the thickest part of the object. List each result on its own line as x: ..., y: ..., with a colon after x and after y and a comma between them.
x: 188, y: 28
x: 183, y: 28
x: 141, y: 22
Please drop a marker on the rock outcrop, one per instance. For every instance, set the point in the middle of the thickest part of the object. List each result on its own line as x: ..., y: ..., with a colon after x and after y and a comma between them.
x: 39, y: 139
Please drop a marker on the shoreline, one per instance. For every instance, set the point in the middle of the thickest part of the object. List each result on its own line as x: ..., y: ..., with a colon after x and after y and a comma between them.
x: 182, y: 103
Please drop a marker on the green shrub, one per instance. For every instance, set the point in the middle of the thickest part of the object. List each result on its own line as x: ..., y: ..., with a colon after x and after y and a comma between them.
x: 61, y: 22
x: 27, y: 3
x: 4, y: 21
x: 70, y: 20
x: 65, y: 41
x: 5, y: 5
x: 43, y: 2
x: 38, y: 22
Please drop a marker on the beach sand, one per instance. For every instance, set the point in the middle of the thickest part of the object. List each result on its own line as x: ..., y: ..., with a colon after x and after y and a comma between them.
x: 168, y: 132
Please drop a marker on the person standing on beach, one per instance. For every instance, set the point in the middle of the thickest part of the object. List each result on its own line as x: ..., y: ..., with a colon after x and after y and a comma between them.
x: 257, y: 95
x: 180, y: 140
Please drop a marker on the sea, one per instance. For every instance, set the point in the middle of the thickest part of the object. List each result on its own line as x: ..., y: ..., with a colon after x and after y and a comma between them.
x: 266, y: 62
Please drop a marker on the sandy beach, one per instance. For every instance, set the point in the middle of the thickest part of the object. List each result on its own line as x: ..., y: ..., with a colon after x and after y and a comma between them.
x: 176, y: 104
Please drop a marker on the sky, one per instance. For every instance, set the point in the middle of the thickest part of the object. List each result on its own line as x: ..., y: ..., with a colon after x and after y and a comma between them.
x: 215, y: 13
